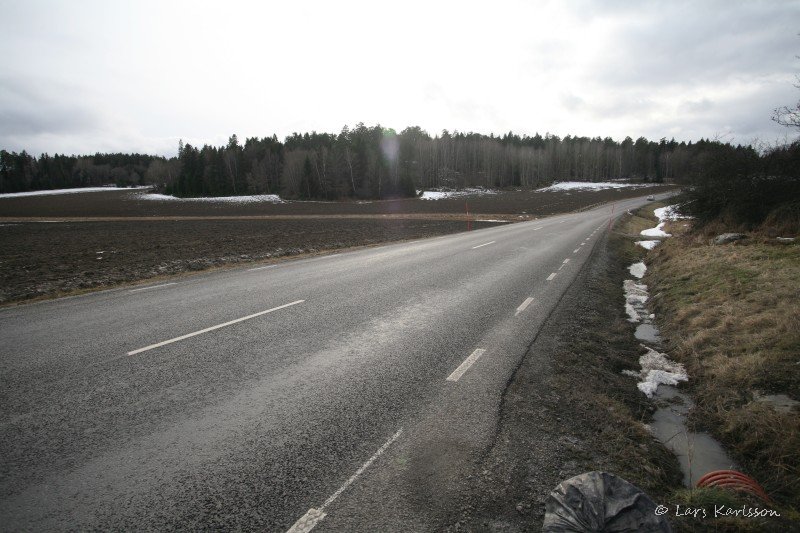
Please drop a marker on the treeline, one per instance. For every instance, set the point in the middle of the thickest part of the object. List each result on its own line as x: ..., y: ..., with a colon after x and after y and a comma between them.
x: 375, y: 162
x: 744, y: 190
x: 23, y: 172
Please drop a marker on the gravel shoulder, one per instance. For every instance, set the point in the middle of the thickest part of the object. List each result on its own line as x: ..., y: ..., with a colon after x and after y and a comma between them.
x: 569, y: 410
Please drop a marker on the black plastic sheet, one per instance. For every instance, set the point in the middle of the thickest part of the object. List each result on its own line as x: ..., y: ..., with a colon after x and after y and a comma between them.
x: 599, y: 501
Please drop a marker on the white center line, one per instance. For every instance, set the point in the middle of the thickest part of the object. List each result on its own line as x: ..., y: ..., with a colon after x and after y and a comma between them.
x: 314, y: 516
x: 583, y: 243
x: 537, y: 229
x: 261, y: 268
x: 212, y: 328
x: 551, y: 276
x: 524, y: 305
x: 152, y: 287
x: 566, y: 260
x: 484, y: 244
x: 463, y: 367
x: 575, y: 251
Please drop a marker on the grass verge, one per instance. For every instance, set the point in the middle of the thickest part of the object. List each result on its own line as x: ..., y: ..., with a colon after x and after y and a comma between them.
x: 729, y: 314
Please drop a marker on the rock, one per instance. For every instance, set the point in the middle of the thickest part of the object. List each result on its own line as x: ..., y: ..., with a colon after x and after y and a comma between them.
x: 725, y: 238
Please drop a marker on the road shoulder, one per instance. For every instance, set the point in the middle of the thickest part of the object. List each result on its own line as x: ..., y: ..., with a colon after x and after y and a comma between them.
x: 568, y: 410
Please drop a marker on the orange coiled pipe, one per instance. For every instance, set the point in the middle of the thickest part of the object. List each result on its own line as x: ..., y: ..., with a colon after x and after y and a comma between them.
x: 731, y: 479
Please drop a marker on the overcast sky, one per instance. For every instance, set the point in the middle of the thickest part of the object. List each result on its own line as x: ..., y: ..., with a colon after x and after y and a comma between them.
x: 87, y: 76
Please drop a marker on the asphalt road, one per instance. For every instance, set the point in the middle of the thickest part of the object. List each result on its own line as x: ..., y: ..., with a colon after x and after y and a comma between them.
x: 349, y: 392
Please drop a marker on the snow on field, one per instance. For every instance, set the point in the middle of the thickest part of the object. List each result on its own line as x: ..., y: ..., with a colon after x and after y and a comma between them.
x: 637, y: 270
x: 256, y: 198
x: 648, y: 245
x: 441, y: 195
x: 67, y: 191
x: 591, y: 186
x: 657, y: 369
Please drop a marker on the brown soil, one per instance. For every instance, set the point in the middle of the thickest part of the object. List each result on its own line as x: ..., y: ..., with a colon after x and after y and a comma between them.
x: 41, y: 259
x: 128, y: 203
x: 52, y: 244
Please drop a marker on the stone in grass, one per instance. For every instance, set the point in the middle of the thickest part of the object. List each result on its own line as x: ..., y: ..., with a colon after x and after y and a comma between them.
x: 725, y: 238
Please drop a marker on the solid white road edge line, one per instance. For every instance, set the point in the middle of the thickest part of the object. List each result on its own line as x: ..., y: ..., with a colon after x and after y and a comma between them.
x: 261, y: 268
x: 314, y: 516
x: 463, y: 367
x: 212, y: 328
x: 524, y: 305
x: 153, y: 287
x: 551, y: 276
x: 484, y: 244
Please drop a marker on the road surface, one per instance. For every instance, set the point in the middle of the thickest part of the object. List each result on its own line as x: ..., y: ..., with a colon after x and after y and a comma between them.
x: 348, y: 392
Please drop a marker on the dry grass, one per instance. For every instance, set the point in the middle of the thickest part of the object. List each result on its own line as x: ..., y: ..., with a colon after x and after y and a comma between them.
x: 730, y: 314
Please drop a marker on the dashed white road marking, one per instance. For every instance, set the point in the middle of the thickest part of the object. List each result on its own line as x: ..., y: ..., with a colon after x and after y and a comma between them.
x: 212, y: 328
x: 551, y: 276
x: 314, y: 516
x: 524, y: 305
x: 576, y: 250
x: 463, y: 367
x: 537, y: 229
x: 583, y: 243
x: 261, y: 268
x: 565, y: 261
x: 484, y: 244
x: 153, y: 287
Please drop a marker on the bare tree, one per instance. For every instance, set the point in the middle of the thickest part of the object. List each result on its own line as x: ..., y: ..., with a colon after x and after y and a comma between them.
x: 788, y: 116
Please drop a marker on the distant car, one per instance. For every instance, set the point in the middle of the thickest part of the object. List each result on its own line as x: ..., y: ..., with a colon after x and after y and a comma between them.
x: 651, y: 198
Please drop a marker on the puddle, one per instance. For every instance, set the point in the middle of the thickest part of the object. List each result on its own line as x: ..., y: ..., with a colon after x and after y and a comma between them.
x: 697, y: 453
x: 780, y: 402
x: 648, y: 333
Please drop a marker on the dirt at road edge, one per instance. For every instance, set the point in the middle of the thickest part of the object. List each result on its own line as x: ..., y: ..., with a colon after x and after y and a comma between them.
x: 569, y: 410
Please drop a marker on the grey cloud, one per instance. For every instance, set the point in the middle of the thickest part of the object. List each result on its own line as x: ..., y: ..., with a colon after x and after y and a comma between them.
x: 673, y: 44
x: 27, y: 109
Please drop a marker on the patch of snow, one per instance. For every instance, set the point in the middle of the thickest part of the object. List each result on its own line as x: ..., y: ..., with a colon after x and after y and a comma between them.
x: 658, y: 231
x: 637, y: 270
x: 256, y: 198
x: 657, y: 369
x: 591, y: 186
x: 648, y: 245
x: 633, y: 316
x: 635, y: 297
x: 669, y: 212
x: 664, y: 214
x: 635, y: 292
x: 441, y: 195
x: 69, y: 191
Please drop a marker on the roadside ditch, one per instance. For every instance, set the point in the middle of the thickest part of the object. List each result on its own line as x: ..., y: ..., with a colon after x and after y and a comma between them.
x: 572, y: 407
